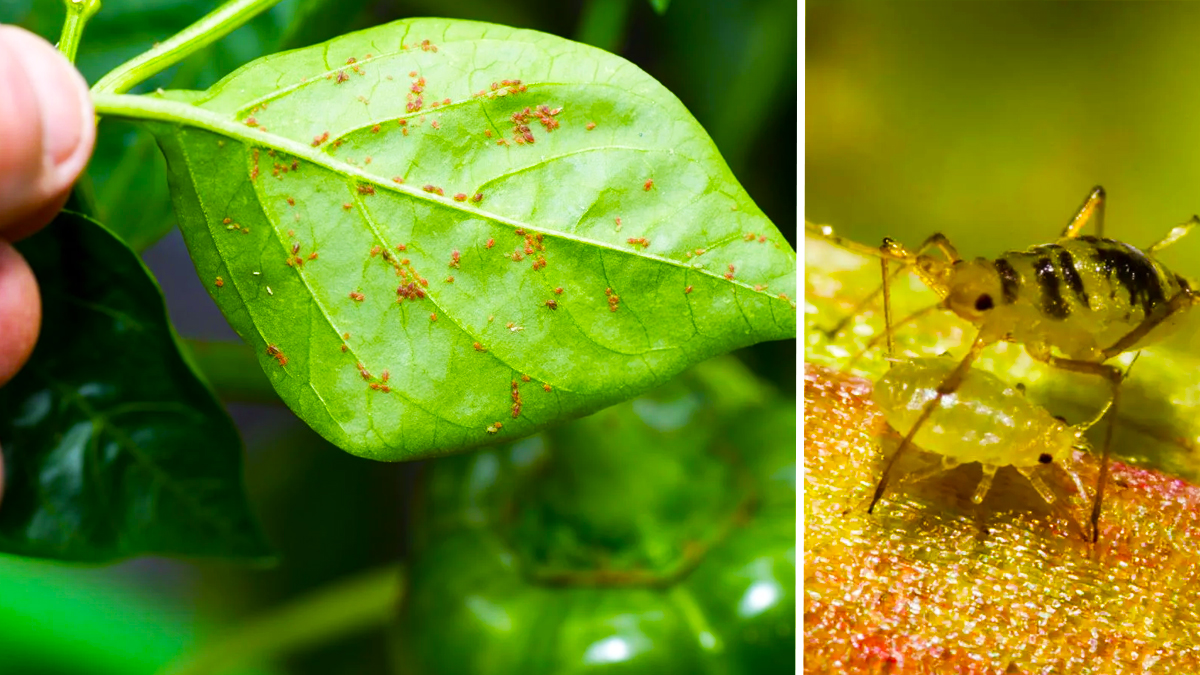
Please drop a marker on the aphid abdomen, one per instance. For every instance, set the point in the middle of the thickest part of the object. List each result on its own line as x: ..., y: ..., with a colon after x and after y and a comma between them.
x: 1081, y: 295
x: 983, y: 421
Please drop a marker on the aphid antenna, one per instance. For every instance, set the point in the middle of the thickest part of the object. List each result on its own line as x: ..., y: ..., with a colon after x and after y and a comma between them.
x: 826, y: 232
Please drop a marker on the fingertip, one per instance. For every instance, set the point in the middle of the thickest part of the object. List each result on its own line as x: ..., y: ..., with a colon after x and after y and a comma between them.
x: 47, y: 124
x: 20, y: 311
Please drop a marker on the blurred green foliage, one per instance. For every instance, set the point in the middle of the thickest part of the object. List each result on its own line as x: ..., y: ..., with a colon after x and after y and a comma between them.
x: 990, y: 121
x: 332, y: 516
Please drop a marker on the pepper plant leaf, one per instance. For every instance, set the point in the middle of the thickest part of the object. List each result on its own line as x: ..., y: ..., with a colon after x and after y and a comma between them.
x: 112, y: 445
x: 440, y: 234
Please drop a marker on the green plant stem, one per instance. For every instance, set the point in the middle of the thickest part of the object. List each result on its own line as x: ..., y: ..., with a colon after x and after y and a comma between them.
x: 78, y: 14
x: 367, y: 601
x: 231, y: 370
x: 212, y: 27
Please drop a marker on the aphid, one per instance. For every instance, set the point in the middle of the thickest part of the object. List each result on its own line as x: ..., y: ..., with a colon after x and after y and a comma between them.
x: 590, y: 126
x: 985, y: 421
x: 688, y: 289
x: 649, y: 184
x: 1087, y: 298
x: 552, y: 304
x: 220, y: 282
x: 478, y: 347
x: 546, y: 387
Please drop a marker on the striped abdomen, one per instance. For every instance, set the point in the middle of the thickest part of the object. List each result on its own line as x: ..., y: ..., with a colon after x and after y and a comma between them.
x: 1079, y: 295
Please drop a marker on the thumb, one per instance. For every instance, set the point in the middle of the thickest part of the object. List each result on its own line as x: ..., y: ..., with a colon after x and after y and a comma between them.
x: 47, y: 129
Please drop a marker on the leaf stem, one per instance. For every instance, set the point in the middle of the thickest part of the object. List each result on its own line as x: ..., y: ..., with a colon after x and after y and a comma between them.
x: 366, y: 601
x: 79, y: 12
x: 212, y: 27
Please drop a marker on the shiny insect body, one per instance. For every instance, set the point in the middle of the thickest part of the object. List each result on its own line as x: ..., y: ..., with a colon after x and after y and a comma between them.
x: 983, y: 421
x: 1073, y: 304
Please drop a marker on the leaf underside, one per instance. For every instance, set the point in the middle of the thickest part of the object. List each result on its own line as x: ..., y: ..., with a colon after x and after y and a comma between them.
x: 439, y: 234
x: 112, y: 446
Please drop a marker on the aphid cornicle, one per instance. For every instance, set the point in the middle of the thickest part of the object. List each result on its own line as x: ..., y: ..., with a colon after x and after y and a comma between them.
x: 983, y: 421
x: 1073, y: 304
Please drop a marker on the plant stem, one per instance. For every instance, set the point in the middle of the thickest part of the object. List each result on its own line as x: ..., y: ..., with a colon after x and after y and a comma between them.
x: 78, y: 14
x: 232, y: 370
x: 367, y: 601
x: 603, y: 24
x: 212, y: 27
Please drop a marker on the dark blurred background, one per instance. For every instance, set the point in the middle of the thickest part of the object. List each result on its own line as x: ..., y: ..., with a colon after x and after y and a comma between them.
x: 331, y: 515
x: 990, y: 121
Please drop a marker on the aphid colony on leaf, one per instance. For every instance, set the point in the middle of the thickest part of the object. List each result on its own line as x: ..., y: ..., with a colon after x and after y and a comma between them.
x: 1074, y: 305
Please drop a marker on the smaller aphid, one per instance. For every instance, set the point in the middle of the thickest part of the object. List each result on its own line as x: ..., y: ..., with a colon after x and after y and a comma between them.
x: 648, y: 185
x: 986, y: 421
x: 478, y: 347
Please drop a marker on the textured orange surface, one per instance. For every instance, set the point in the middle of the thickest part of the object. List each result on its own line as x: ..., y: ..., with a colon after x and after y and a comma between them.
x: 931, y: 583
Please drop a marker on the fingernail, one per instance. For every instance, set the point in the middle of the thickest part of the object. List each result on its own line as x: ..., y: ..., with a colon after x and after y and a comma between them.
x: 64, y: 104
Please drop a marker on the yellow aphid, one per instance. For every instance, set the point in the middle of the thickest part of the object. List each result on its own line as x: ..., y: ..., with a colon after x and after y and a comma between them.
x: 983, y: 421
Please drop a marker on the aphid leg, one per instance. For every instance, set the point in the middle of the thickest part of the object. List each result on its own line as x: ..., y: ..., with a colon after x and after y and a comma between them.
x: 985, y: 483
x: 1093, y: 205
x: 878, y: 338
x: 890, y: 250
x: 1114, y: 377
x: 948, y: 386
x: 1030, y: 473
x: 832, y: 333
x: 887, y: 308
x: 1181, y: 300
x: 1178, y: 232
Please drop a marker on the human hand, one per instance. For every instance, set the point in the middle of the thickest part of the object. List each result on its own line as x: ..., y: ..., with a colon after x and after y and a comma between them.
x: 47, y: 129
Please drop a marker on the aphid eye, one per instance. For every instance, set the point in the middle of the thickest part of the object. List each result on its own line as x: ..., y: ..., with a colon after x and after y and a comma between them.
x: 983, y: 303
x: 1045, y: 458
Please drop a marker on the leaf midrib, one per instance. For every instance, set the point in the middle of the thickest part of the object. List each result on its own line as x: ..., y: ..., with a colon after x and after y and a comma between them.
x: 173, y: 112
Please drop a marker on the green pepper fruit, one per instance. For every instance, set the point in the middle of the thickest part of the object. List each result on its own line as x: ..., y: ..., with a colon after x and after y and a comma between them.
x: 657, y: 536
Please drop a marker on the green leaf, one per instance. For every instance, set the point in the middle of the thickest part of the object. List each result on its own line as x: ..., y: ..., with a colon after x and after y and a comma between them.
x: 112, y: 445
x: 302, y: 154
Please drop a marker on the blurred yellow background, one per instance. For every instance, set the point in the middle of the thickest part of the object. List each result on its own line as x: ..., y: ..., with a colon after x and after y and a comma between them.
x: 990, y: 121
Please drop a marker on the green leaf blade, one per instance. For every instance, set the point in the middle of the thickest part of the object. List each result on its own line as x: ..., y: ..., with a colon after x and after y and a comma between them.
x: 661, y: 257
x: 114, y: 447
